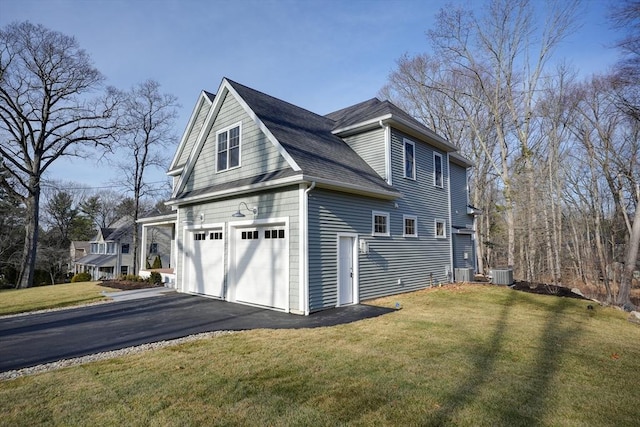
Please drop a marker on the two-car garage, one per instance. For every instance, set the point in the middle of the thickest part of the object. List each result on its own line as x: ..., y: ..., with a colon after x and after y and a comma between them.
x: 257, y: 260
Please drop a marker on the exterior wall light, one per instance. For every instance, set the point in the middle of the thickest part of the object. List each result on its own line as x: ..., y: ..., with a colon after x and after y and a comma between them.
x: 239, y: 214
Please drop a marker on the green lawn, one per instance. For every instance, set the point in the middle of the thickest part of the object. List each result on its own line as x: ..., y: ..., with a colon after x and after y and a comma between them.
x: 460, y: 355
x: 14, y: 301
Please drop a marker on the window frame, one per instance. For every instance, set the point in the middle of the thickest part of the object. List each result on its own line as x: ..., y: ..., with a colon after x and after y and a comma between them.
x: 444, y: 228
x: 414, y: 218
x: 227, y: 151
x: 375, y: 214
x: 122, y: 248
x: 435, y: 170
x: 405, y: 143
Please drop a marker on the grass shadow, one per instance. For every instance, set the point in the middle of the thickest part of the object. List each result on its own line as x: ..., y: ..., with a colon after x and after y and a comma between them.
x: 534, y: 395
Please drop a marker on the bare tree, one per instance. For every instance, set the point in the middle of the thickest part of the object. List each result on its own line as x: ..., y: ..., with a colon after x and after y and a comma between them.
x: 147, y: 124
x: 45, y: 78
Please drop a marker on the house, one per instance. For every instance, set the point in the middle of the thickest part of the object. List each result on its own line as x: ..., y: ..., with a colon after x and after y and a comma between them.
x: 279, y: 207
x: 110, y: 252
x: 77, y: 250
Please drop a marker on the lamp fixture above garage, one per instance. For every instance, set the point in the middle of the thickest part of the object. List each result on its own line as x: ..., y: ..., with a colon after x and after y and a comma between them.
x: 239, y: 214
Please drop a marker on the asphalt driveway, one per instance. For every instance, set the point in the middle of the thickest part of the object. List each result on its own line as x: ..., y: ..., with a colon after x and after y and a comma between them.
x: 35, y: 339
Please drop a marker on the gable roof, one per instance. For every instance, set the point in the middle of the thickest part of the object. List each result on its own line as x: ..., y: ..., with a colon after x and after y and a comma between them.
x: 303, y: 138
x: 370, y: 113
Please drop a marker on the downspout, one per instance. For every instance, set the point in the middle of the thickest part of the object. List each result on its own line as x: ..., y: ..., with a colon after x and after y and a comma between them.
x: 305, y: 246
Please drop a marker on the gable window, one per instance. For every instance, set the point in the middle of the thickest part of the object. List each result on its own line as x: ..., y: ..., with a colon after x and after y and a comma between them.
x: 124, y: 248
x: 437, y: 170
x: 228, y: 148
x: 380, y: 223
x: 410, y: 226
x: 409, y: 159
x: 440, y: 231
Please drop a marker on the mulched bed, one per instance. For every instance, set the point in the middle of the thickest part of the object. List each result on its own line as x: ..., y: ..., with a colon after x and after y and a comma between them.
x: 126, y: 285
x: 544, y: 289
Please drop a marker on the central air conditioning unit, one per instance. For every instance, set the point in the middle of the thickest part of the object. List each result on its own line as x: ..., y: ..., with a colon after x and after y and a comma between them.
x: 463, y: 274
x: 502, y: 277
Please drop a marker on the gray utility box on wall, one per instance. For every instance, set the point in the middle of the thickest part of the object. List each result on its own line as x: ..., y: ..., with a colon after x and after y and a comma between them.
x: 502, y: 277
x: 463, y: 274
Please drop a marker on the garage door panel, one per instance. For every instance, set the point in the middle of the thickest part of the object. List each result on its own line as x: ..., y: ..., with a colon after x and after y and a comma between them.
x: 261, y: 266
x: 204, y: 263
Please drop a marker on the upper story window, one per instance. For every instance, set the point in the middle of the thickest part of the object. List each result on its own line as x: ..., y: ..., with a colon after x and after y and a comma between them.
x: 94, y: 248
x: 437, y: 170
x: 124, y: 248
x: 380, y: 223
x: 111, y: 248
x: 409, y: 159
x: 228, y: 148
x: 410, y: 226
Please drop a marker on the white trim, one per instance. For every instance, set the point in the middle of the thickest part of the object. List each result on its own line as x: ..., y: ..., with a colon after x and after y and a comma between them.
x: 405, y: 142
x: 373, y: 223
x: 387, y: 155
x: 404, y: 225
x: 202, y: 98
x: 436, y: 154
x: 368, y: 123
x: 356, y: 268
x: 226, y: 130
x: 435, y: 228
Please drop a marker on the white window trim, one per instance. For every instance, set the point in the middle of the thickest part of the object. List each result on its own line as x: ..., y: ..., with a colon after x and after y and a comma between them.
x: 406, y: 142
x: 227, y: 129
x: 404, y: 225
x: 441, y: 170
x: 373, y: 223
x: 444, y: 228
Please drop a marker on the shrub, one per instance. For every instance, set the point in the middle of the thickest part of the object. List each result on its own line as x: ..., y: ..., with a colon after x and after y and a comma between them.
x: 155, y: 278
x: 131, y: 278
x: 157, y: 262
x: 81, y: 277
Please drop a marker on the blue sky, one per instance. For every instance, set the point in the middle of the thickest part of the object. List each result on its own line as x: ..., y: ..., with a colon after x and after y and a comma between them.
x: 319, y: 54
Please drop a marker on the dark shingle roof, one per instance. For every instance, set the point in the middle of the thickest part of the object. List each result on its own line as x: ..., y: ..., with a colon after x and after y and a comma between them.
x: 307, y: 138
x: 373, y: 109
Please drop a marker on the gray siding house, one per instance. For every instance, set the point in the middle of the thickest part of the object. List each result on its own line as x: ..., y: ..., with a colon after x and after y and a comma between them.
x: 279, y: 207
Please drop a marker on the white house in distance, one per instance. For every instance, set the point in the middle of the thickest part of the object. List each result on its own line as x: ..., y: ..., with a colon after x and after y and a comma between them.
x: 279, y: 207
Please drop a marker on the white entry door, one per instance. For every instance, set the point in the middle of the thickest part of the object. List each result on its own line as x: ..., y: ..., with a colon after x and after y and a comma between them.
x: 345, y: 270
x: 260, y: 266
x: 204, y: 262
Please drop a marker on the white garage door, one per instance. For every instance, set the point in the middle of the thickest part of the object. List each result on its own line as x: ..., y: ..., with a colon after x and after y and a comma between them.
x: 204, y: 267
x: 260, y: 266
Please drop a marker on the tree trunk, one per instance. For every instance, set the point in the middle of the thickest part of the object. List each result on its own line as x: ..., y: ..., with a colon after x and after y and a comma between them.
x: 28, y: 264
x: 624, y: 293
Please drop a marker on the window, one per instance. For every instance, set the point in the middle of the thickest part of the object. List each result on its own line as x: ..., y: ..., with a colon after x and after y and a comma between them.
x: 215, y: 235
x: 111, y: 248
x: 380, y: 226
x: 124, y: 270
x: 153, y: 248
x: 437, y: 170
x: 94, y: 248
x: 124, y: 248
x: 250, y: 235
x: 199, y: 236
x: 274, y: 234
x: 409, y: 159
x: 228, y: 148
x: 441, y: 232
x: 410, y: 226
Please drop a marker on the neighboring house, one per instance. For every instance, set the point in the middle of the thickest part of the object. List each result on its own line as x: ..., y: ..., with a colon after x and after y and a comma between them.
x: 158, y: 240
x: 283, y: 208
x: 110, y: 252
x: 77, y: 250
